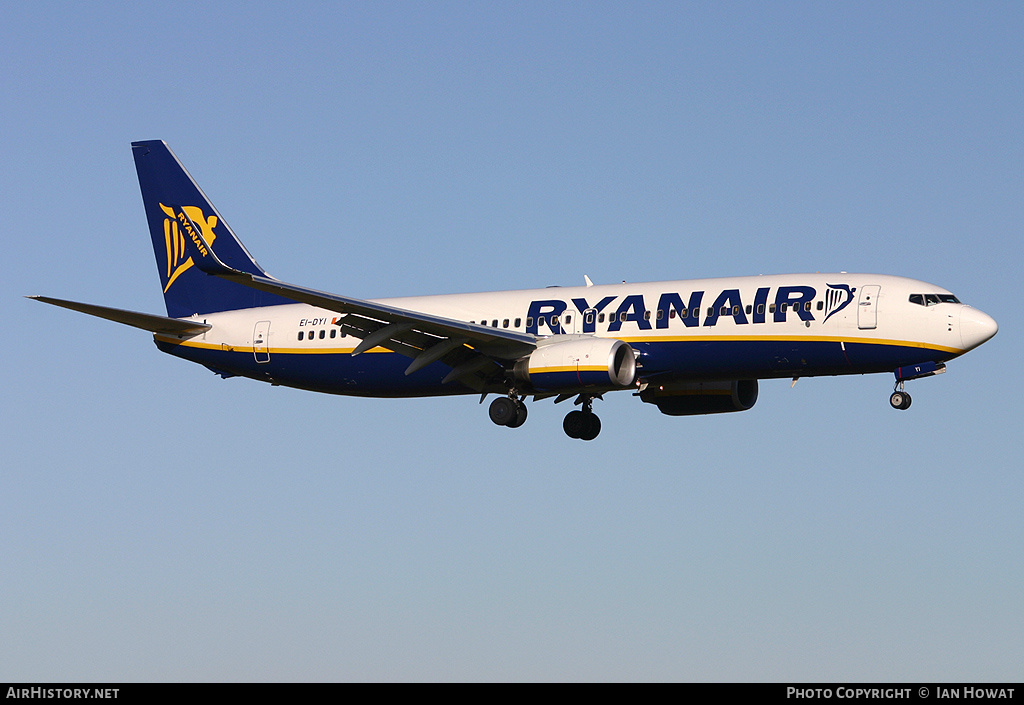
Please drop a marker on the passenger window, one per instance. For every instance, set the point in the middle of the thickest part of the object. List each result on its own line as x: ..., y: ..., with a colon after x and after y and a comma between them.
x: 494, y: 323
x: 647, y: 315
x: 600, y: 318
x: 711, y: 311
x: 554, y: 321
x: 300, y: 335
x: 749, y: 309
x: 504, y: 324
x: 661, y: 314
x: 529, y: 322
x: 334, y: 333
x: 589, y: 318
x: 735, y: 310
x: 540, y: 320
x: 760, y: 309
x: 622, y: 317
x: 519, y: 322
x: 672, y: 313
x: 568, y: 320
x: 323, y: 334
x: 771, y: 308
x: 821, y: 305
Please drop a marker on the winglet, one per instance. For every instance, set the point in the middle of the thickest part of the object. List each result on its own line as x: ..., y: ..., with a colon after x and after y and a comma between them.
x: 587, y: 280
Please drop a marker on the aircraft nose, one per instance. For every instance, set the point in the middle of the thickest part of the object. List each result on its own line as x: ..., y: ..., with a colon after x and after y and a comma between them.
x: 976, y: 327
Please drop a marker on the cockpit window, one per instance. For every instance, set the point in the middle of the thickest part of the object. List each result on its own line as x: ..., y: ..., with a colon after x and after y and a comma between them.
x: 933, y: 299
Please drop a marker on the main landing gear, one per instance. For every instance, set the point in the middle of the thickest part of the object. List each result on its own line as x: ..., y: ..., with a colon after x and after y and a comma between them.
x: 508, y: 411
x: 583, y: 424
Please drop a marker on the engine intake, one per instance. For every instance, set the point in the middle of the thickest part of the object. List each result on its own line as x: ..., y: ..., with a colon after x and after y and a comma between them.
x: 581, y: 362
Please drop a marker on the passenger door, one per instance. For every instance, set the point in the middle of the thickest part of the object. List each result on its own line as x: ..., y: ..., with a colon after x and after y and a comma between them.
x: 867, y: 307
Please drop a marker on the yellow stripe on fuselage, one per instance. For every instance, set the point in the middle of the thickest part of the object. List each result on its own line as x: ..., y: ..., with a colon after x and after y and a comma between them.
x: 263, y: 348
x: 632, y: 339
x: 568, y: 368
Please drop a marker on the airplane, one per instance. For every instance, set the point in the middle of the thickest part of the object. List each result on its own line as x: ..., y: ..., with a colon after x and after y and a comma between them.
x: 687, y: 347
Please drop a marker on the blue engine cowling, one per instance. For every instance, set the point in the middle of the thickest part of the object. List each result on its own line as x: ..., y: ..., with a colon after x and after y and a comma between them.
x: 578, y: 363
x: 693, y: 398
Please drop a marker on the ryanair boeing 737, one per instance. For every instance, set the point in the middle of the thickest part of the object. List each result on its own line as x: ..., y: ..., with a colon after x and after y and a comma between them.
x: 687, y: 347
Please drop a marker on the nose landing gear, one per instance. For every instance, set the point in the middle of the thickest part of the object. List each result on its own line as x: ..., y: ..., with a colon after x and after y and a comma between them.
x: 899, y: 399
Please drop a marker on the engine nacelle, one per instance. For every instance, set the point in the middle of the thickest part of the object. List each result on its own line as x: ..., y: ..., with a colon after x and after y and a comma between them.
x: 581, y: 362
x: 693, y: 398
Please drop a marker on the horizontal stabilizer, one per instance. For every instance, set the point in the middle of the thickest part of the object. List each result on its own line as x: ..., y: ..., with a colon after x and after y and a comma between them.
x: 145, y: 321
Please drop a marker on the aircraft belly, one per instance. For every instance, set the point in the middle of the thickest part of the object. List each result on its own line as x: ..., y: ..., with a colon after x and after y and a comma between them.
x: 369, y: 374
x: 753, y: 359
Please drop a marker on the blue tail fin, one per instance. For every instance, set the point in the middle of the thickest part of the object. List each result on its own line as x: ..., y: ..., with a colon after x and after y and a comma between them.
x: 166, y: 185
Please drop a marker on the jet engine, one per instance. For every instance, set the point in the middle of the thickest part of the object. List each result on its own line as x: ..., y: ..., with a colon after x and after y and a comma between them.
x: 578, y: 363
x: 693, y: 398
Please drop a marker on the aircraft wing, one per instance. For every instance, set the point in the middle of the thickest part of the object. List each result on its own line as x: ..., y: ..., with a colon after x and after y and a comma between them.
x: 474, y: 352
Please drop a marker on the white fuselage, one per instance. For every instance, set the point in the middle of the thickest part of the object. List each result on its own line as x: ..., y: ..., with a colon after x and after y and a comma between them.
x: 726, y: 328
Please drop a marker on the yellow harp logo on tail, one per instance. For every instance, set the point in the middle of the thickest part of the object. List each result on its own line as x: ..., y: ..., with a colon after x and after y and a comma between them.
x: 175, y: 240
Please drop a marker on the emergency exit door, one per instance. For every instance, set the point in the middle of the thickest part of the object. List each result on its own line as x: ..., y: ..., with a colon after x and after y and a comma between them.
x: 261, y: 341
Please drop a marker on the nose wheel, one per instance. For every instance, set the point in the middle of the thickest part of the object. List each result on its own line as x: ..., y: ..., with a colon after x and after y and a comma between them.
x: 899, y: 399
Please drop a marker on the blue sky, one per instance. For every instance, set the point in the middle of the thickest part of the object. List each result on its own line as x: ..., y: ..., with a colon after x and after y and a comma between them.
x: 158, y: 523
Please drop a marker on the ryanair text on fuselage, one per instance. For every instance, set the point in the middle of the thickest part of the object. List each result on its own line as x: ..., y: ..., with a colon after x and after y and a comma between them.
x: 632, y: 308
